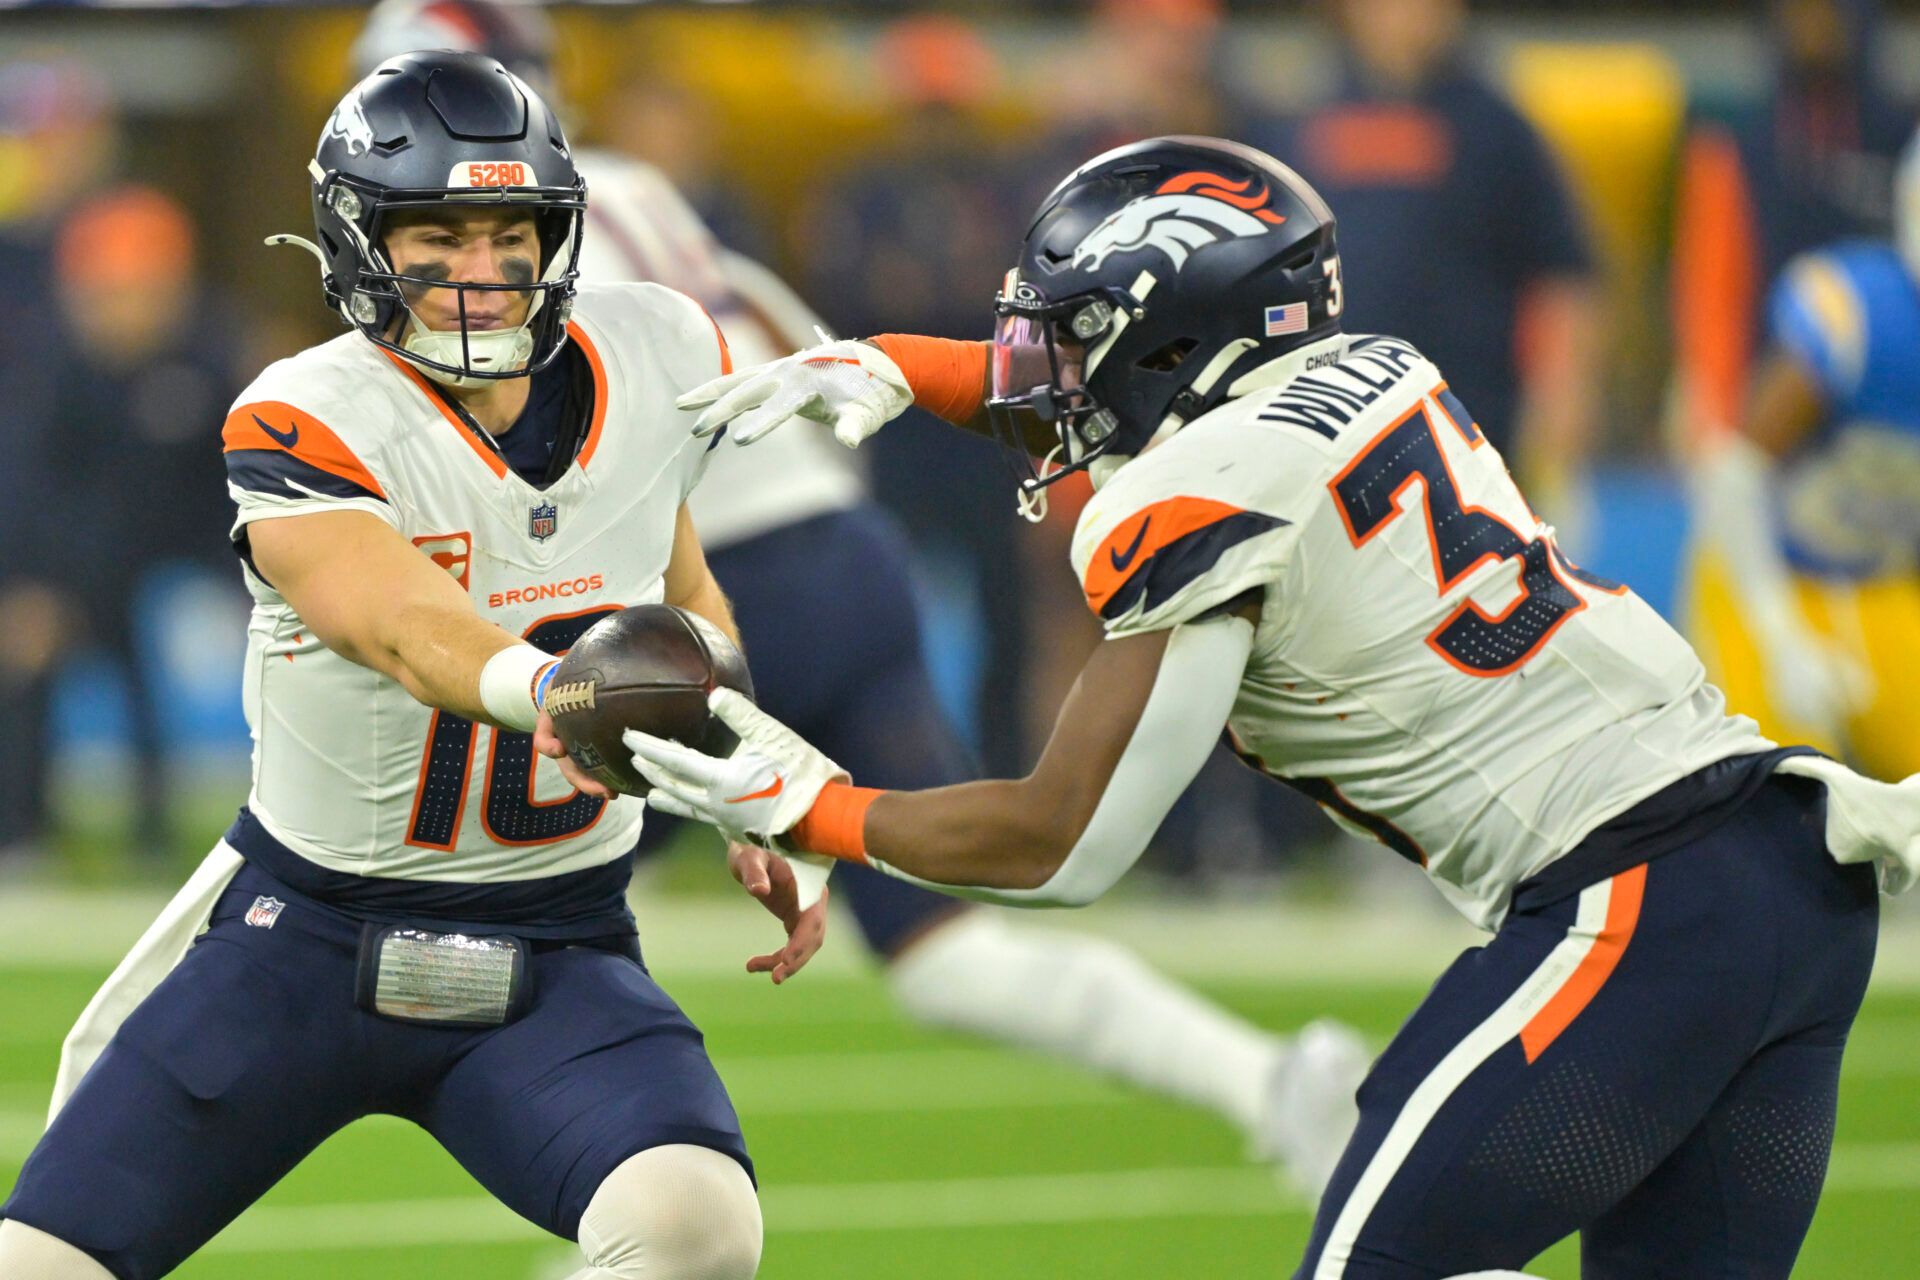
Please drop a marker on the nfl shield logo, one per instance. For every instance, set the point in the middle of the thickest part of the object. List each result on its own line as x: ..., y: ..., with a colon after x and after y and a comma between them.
x: 541, y: 521
x: 264, y: 911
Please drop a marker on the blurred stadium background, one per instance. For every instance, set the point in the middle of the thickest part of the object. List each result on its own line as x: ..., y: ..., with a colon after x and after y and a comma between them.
x: 880, y: 156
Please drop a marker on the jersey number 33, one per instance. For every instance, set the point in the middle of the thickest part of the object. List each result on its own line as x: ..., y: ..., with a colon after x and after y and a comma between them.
x: 1462, y: 537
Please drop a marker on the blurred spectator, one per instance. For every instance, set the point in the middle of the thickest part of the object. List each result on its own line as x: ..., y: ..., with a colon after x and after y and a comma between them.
x: 57, y: 138
x: 1761, y: 182
x: 1458, y: 233
x: 142, y: 385
x: 916, y: 240
x: 655, y: 116
x: 1780, y: 194
x: 1142, y: 69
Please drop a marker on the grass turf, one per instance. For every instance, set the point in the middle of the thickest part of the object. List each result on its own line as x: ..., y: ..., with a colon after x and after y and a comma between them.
x: 889, y: 1151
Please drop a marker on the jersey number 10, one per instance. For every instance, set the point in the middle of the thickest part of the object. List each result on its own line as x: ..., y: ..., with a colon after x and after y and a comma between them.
x: 507, y: 808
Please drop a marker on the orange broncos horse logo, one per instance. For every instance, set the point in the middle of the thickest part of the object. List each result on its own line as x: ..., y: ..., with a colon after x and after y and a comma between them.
x: 1183, y: 214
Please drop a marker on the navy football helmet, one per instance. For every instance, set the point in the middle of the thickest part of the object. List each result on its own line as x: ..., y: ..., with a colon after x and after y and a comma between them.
x: 1150, y: 281
x: 423, y: 131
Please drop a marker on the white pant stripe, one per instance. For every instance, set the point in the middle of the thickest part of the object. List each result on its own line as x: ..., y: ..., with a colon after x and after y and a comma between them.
x: 1462, y: 1061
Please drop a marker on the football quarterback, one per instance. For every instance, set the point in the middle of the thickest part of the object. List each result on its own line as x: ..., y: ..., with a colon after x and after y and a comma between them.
x: 1300, y: 538
x: 415, y: 913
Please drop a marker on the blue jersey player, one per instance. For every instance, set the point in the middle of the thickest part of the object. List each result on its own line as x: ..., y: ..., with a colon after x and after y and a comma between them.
x: 1809, y: 613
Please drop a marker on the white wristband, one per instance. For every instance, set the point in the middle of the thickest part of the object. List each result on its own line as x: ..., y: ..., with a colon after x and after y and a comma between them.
x: 507, y: 685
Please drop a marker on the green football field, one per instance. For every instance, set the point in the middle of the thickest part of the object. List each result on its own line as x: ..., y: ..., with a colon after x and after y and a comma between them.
x: 889, y: 1151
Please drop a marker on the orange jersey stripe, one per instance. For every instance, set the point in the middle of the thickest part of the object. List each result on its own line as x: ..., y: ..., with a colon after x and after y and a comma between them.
x: 276, y: 425
x: 494, y: 462
x: 726, y: 356
x: 579, y: 336
x: 1557, y: 1014
x: 1134, y: 540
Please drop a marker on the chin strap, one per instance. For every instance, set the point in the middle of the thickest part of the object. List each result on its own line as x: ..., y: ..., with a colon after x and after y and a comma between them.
x: 488, y: 349
x: 1032, y: 503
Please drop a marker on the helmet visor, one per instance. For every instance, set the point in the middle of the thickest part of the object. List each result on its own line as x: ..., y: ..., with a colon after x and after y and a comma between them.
x: 1029, y: 355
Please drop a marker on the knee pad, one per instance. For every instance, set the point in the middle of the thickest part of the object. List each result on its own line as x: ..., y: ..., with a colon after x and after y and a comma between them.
x: 676, y: 1212
x: 29, y: 1251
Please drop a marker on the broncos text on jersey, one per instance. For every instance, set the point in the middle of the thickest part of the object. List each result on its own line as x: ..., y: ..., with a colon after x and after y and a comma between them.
x: 349, y: 770
x: 1428, y: 666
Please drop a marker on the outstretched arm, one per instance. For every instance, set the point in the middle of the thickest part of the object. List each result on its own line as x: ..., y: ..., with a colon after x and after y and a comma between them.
x: 1138, y: 725
x: 856, y: 388
x: 374, y: 599
x: 690, y: 584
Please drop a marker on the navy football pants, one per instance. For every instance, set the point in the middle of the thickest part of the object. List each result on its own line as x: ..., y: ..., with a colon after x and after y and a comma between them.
x: 826, y: 613
x: 252, y: 1052
x: 1653, y: 1063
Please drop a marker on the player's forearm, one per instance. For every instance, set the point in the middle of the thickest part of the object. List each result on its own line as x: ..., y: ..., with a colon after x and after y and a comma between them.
x: 438, y: 655
x: 986, y: 835
x: 689, y: 582
x: 710, y: 602
x: 949, y: 380
x: 1068, y: 833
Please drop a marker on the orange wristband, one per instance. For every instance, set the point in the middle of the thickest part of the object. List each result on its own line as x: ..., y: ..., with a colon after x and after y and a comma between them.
x: 837, y: 823
x: 948, y: 378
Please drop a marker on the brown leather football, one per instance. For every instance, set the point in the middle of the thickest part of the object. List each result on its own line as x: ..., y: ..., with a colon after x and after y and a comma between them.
x: 651, y: 668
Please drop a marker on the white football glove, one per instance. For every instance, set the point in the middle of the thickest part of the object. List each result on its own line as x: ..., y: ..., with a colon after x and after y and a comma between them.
x: 852, y: 387
x: 756, y: 794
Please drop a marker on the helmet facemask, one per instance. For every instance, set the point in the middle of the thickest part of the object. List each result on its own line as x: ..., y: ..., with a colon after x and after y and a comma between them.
x: 1043, y: 355
x: 377, y: 300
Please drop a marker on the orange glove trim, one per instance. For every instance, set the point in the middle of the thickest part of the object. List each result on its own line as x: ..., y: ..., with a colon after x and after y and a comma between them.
x: 948, y: 378
x: 837, y: 823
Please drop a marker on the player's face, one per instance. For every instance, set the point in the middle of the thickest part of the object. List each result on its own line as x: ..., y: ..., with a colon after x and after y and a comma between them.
x: 466, y: 246
x: 1023, y: 357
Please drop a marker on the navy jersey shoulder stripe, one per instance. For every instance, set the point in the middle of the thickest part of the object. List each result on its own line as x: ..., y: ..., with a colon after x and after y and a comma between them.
x: 276, y: 472
x: 1188, y: 557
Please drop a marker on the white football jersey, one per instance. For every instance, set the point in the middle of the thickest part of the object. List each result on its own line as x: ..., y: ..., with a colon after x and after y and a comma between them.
x: 1428, y: 666
x: 348, y: 769
x: 639, y: 227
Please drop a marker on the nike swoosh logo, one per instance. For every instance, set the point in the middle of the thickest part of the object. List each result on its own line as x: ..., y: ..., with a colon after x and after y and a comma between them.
x: 287, y: 439
x: 765, y: 793
x: 1120, y: 562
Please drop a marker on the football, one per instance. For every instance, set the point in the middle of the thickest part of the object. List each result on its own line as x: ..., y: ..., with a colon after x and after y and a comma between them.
x: 651, y: 668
